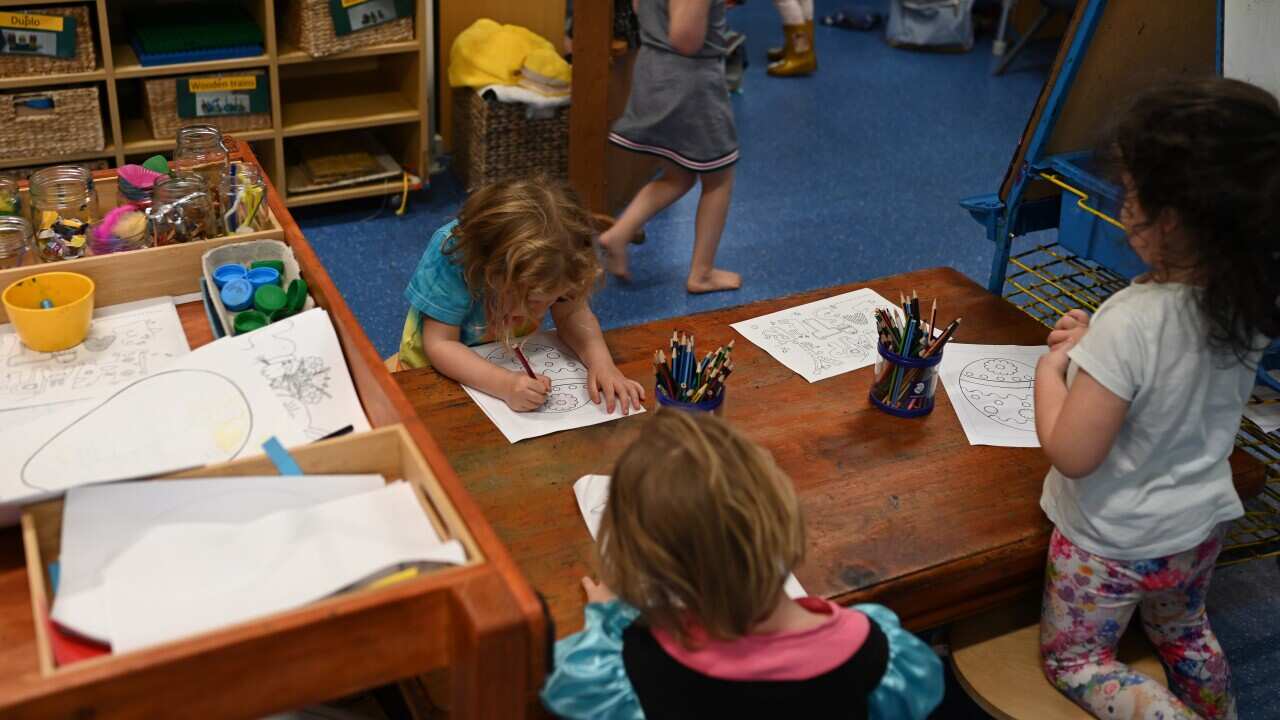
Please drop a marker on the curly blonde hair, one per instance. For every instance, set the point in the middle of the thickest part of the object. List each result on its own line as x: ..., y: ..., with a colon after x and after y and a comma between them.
x: 701, y: 527
x: 517, y: 238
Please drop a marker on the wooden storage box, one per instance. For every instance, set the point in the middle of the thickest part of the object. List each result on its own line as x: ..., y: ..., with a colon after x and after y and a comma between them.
x: 173, y: 270
x: 51, y: 123
x: 388, y: 451
x: 161, y: 101
x: 309, y: 25
x: 85, y: 58
x: 494, y: 141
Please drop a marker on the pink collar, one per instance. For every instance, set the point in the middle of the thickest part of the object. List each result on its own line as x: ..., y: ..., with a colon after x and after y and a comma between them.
x: 799, y: 655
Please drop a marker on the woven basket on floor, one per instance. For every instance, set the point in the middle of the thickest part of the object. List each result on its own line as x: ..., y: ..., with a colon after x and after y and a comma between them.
x: 495, y: 141
x: 86, y: 58
x: 73, y: 125
x: 309, y: 26
x: 161, y: 96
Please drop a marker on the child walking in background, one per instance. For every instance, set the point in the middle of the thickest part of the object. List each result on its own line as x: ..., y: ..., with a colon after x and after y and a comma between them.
x: 796, y: 56
x: 679, y: 110
x: 699, y: 534
x: 1138, y: 407
x: 518, y: 249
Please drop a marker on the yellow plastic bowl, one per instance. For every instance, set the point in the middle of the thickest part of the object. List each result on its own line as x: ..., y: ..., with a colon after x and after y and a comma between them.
x: 50, y: 329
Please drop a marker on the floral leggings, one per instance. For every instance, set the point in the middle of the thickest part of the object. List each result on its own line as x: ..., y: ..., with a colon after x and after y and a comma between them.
x: 1088, y: 601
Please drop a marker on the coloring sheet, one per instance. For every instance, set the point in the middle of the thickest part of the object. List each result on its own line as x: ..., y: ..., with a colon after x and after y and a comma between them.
x: 992, y: 388
x: 101, y: 521
x: 1266, y: 415
x: 592, y: 493
x: 185, y: 578
x: 204, y: 408
x: 568, y: 405
x: 301, y: 360
x: 824, y: 338
x: 125, y: 342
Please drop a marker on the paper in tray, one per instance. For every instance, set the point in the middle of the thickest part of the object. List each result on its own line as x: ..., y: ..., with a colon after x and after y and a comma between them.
x: 244, y: 254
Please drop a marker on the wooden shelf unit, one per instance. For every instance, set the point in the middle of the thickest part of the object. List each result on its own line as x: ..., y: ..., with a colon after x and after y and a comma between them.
x: 308, y: 95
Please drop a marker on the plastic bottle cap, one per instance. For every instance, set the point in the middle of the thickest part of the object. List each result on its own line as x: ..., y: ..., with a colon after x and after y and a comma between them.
x: 261, y: 276
x: 277, y: 265
x: 237, y: 295
x: 224, y: 274
x: 297, y: 296
x: 269, y: 299
x: 250, y: 320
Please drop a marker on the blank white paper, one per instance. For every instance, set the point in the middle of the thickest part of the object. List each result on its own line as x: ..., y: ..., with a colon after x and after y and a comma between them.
x: 568, y: 405
x: 824, y: 338
x: 1265, y: 415
x: 101, y: 521
x: 992, y: 388
x: 592, y: 493
x: 186, y: 578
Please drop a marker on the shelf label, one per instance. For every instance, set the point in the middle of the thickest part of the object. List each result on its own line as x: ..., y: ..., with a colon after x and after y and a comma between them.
x: 354, y: 15
x: 200, y: 97
x: 44, y: 35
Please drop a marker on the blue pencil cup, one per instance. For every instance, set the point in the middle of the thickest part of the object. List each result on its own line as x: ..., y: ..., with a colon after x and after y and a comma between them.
x: 714, y: 405
x: 905, y: 386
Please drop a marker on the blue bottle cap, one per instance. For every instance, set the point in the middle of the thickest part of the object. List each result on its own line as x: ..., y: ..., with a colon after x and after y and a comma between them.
x: 260, y: 276
x: 224, y: 274
x: 237, y: 295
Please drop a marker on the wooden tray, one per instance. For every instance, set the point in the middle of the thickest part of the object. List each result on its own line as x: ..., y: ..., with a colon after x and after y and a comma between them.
x: 388, y: 451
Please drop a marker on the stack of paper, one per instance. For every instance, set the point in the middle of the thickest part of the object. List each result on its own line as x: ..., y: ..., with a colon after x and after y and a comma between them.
x: 216, y: 404
x: 148, y: 562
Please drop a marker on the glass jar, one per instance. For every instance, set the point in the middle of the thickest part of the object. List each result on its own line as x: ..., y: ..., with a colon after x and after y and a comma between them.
x: 15, y: 242
x: 244, y: 199
x: 10, y: 202
x: 201, y: 150
x: 129, y: 231
x: 182, y: 210
x: 62, y: 203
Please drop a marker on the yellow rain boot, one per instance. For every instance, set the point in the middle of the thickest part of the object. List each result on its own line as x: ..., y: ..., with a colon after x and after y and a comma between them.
x: 799, y: 58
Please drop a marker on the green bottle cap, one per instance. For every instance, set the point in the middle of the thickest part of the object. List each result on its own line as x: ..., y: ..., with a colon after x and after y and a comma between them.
x: 269, y: 299
x: 277, y: 265
x: 157, y: 163
x: 297, y: 296
x: 249, y: 320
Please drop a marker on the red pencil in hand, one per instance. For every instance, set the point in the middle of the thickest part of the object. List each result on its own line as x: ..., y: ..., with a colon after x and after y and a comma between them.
x: 525, y: 362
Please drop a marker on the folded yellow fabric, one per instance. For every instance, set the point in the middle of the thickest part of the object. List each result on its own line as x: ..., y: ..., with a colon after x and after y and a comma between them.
x: 488, y: 53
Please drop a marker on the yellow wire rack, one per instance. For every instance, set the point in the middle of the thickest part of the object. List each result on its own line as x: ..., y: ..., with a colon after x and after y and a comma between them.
x: 1045, y: 281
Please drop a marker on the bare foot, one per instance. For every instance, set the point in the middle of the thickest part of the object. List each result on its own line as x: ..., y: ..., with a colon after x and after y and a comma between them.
x: 615, y: 257
x: 714, y: 281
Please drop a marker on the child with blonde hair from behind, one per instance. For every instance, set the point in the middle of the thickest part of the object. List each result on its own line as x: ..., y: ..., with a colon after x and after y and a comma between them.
x: 519, y: 249
x: 698, y: 537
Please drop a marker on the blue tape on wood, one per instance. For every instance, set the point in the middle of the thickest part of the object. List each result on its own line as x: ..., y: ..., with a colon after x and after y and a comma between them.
x: 284, y: 462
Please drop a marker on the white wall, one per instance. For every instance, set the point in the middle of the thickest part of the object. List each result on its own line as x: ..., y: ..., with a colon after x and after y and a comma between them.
x: 1251, y: 42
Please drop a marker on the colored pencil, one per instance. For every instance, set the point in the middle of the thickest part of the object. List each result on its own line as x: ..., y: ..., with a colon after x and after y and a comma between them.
x: 525, y: 362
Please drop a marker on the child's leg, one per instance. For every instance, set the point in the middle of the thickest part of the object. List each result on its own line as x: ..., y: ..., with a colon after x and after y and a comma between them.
x: 1088, y: 602
x: 673, y: 182
x: 792, y: 11
x: 1174, y: 617
x: 806, y: 8
x: 713, y: 209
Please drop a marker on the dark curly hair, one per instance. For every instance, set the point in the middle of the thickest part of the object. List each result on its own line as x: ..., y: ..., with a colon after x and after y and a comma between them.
x: 1209, y: 151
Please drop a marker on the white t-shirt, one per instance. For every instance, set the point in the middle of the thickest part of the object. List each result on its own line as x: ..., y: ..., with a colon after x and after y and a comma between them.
x: 1166, y: 483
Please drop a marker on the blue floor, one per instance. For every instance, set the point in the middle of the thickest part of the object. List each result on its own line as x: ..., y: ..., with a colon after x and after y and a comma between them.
x: 851, y: 174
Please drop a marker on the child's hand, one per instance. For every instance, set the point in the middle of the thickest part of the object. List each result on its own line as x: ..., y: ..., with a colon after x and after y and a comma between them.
x: 525, y: 393
x: 1069, y: 329
x: 609, y: 383
x: 597, y: 592
x: 1055, y: 361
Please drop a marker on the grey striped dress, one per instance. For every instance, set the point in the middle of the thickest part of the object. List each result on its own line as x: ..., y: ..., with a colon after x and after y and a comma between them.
x: 679, y: 106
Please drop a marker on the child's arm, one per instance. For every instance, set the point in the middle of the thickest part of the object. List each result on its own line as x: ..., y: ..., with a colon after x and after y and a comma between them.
x: 913, y: 681
x: 580, y: 329
x: 589, y: 678
x: 453, y: 359
x: 687, y: 29
x: 1076, y: 427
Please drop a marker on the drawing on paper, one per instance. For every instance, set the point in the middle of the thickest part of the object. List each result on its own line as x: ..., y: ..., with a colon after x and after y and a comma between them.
x: 201, y: 415
x: 568, y: 375
x: 118, y: 349
x: 300, y: 381
x: 1002, y: 390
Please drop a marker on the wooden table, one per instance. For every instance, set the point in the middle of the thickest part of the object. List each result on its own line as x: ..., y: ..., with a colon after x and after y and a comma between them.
x: 903, y: 512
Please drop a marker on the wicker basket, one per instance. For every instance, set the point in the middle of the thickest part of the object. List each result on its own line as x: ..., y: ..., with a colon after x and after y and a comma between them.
x: 161, y: 97
x: 73, y: 125
x: 86, y: 57
x: 310, y: 26
x: 495, y: 141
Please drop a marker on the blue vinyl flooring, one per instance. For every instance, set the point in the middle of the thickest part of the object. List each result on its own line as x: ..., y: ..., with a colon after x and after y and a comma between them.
x: 851, y: 174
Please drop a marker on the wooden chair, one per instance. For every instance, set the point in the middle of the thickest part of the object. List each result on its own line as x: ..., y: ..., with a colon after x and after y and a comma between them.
x: 996, y: 658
